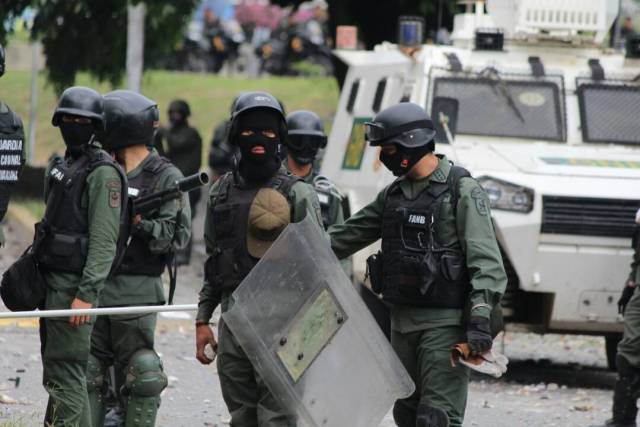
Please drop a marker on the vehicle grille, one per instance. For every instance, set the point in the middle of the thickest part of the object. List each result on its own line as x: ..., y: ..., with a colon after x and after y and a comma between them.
x: 588, y: 217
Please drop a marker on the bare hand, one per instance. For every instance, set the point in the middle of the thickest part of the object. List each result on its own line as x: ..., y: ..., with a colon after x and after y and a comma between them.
x: 204, y: 336
x: 78, y: 304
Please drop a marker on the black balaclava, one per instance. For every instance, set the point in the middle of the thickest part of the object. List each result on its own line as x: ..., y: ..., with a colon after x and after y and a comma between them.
x: 304, y: 148
x: 76, y: 135
x: 260, y: 155
x: 404, y: 159
x: 177, y: 118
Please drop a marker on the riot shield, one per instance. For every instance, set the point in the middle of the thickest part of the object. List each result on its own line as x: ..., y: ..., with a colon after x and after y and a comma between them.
x: 311, y: 338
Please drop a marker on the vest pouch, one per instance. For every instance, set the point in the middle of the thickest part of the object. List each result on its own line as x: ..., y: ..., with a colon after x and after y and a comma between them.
x: 224, y: 217
x: 374, y: 272
x: 452, y: 267
x: 428, y: 271
x: 64, y: 252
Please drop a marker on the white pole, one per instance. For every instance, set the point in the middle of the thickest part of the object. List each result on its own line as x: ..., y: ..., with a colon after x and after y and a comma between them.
x: 33, y: 101
x: 145, y: 309
x: 135, y: 45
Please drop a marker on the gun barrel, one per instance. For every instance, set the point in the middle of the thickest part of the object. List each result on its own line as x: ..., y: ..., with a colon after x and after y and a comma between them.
x: 192, y: 182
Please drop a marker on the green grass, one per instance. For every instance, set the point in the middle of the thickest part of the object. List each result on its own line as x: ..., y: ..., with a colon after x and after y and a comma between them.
x: 34, y: 206
x: 209, y: 96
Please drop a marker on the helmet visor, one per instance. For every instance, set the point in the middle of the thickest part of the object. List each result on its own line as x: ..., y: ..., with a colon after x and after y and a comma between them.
x: 374, y: 131
x: 300, y: 142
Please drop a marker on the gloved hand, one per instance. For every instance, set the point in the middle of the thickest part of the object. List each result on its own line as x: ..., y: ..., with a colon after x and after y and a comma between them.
x: 627, y: 293
x: 479, y: 335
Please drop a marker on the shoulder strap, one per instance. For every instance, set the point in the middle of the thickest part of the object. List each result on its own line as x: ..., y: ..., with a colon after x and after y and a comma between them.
x: 284, y: 182
x: 158, y: 165
x: 225, y: 184
x: 453, y: 181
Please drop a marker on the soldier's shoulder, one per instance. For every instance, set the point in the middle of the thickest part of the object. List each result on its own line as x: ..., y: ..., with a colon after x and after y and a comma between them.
x: 469, y: 185
x: 299, y: 188
x: 325, y: 184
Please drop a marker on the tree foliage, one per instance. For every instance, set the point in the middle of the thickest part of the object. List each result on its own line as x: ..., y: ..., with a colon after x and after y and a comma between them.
x: 89, y: 35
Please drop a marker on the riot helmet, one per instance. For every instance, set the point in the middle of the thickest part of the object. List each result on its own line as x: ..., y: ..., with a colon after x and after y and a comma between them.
x: 1, y: 60
x: 305, y: 136
x: 131, y: 119
x: 178, y: 112
x: 79, y: 115
x: 257, y: 128
x: 256, y: 101
x: 408, y: 129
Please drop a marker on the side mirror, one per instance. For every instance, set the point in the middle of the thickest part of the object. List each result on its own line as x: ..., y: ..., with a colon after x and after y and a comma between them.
x: 444, y: 113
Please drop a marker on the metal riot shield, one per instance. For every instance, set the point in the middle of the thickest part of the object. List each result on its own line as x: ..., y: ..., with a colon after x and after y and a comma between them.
x: 311, y: 338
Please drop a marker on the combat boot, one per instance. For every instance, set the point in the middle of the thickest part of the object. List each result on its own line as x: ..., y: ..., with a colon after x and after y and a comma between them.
x: 625, y: 395
x: 430, y: 416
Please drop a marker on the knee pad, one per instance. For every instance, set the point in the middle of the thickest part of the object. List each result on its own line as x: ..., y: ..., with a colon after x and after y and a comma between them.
x: 145, y: 375
x: 96, y: 371
x: 430, y: 416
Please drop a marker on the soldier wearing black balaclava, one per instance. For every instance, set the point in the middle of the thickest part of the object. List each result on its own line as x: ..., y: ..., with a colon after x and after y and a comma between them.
x: 76, y: 244
x: 183, y: 147
x: 246, y: 211
x: 439, y: 267
x: 11, y: 150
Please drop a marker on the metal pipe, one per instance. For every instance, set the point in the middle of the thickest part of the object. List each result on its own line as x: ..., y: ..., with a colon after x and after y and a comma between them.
x: 145, y: 309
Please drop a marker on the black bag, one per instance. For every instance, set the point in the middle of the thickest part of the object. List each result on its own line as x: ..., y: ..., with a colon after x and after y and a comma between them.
x: 23, y: 287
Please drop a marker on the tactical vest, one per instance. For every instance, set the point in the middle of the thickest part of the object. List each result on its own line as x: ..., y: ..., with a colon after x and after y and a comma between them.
x: 61, y: 243
x: 230, y: 261
x: 635, y: 239
x: 417, y: 269
x: 11, y: 153
x: 138, y: 260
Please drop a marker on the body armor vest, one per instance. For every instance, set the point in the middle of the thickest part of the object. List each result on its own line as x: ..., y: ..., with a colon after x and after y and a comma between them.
x: 417, y: 269
x: 11, y: 154
x: 61, y: 243
x: 138, y: 260
x: 230, y: 261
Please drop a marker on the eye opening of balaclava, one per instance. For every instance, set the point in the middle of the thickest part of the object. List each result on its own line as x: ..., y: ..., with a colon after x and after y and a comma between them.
x: 260, y: 153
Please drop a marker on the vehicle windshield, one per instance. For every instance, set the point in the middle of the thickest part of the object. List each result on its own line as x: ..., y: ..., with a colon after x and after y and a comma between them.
x: 608, y: 113
x: 531, y: 109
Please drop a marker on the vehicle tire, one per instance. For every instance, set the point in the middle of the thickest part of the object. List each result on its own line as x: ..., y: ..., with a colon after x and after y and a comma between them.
x: 611, y: 345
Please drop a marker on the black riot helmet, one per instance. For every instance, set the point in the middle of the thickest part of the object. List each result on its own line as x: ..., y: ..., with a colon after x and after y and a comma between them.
x: 1, y: 60
x: 408, y: 128
x: 180, y: 106
x: 131, y: 119
x: 83, y: 102
x: 305, y: 136
x: 406, y: 124
x: 253, y: 101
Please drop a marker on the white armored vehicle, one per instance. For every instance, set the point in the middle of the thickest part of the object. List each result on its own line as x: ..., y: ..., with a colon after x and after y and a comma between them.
x: 531, y: 101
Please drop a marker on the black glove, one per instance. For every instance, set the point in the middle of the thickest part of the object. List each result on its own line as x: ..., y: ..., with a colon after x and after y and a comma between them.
x: 479, y: 335
x: 627, y: 293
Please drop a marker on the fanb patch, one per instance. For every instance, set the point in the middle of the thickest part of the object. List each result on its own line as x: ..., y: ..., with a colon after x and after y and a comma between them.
x: 114, y: 193
x: 482, y: 203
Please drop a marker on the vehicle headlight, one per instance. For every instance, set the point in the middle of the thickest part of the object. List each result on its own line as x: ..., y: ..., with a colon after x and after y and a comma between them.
x: 507, y: 196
